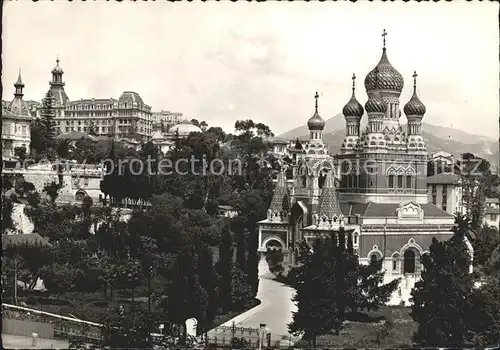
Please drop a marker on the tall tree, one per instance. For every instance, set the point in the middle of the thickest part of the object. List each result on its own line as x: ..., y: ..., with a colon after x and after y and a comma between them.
x: 225, y: 267
x: 317, y: 307
x: 47, y: 115
x: 443, y: 298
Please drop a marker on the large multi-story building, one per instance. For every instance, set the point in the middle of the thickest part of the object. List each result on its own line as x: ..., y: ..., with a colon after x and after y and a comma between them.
x: 128, y: 116
x: 445, y: 191
x: 16, y: 119
x: 166, y: 118
x: 375, y: 188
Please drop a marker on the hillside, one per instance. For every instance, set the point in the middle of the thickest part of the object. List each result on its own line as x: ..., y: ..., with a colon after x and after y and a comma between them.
x: 438, y: 138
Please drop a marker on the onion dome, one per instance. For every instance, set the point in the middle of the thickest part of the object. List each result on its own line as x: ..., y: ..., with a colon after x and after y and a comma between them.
x: 316, y: 122
x: 353, y: 108
x: 414, y: 106
x: 375, y: 104
x: 57, y: 69
x: 388, y: 77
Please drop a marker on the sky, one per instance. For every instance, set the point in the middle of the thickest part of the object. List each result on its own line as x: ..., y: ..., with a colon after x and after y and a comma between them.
x: 223, y: 61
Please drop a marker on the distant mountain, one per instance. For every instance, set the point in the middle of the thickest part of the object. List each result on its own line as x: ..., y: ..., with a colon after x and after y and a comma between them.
x: 439, y: 138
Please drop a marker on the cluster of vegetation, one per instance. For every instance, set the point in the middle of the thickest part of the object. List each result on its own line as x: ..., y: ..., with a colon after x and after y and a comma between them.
x: 450, y: 305
x: 331, y: 283
x: 178, y: 256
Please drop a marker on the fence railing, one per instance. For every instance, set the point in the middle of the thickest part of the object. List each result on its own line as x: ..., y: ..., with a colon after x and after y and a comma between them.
x: 64, y: 327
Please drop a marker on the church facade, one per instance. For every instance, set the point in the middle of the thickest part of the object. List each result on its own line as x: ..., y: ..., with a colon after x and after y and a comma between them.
x: 375, y: 188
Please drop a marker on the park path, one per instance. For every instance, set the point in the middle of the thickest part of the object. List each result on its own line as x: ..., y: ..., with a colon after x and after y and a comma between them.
x: 275, y: 309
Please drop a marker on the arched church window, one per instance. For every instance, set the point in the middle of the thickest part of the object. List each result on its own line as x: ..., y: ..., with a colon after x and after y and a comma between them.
x: 374, y: 258
x: 321, y: 180
x: 355, y: 239
x: 355, y: 182
x: 304, y: 181
x: 409, y: 261
x: 391, y: 181
x: 349, y: 181
x: 400, y: 181
x: 408, y: 181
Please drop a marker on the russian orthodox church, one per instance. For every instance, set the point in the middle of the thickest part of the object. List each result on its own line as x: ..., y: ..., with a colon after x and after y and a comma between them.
x: 375, y: 188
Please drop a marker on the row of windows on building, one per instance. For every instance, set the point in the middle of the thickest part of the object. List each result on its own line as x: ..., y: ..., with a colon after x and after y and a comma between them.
x: 84, y: 107
x: 15, y: 129
x: 393, y: 182
x: 444, y: 193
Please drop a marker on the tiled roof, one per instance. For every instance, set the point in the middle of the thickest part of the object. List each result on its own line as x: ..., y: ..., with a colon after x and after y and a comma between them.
x: 21, y: 239
x: 281, y: 197
x: 443, y: 178
x: 131, y: 97
x: 372, y: 209
x: 328, y: 200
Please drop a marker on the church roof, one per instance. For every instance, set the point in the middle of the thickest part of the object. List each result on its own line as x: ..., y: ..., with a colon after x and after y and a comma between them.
x: 372, y: 209
x: 281, y: 197
x: 328, y: 201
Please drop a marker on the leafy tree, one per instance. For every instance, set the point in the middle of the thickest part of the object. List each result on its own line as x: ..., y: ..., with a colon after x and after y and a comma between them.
x: 7, y: 208
x: 209, y: 280
x: 241, y: 292
x: 487, y: 240
x: 225, y: 267
x: 58, y: 278
x: 93, y: 129
x: 274, y: 260
x: 445, y: 291
x: 317, y: 307
x: 21, y: 153
x: 129, y: 328
x: 52, y: 190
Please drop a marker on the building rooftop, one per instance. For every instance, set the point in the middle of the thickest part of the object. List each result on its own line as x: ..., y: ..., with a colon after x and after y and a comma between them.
x: 75, y: 136
x: 443, y: 179
x: 372, y: 209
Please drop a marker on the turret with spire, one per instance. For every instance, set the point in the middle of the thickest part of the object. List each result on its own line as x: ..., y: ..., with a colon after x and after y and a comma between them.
x: 18, y: 106
x: 280, y: 204
x: 414, y: 111
x: 353, y: 112
x: 57, y: 86
x: 316, y: 124
x: 328, y: 212
x: 19, y: 86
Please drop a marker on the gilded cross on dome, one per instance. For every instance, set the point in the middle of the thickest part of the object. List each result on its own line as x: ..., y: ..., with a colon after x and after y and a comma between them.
x: 415, y: 75
x: 353, y: 81
x: 384, y: 34
x: 316, y: 96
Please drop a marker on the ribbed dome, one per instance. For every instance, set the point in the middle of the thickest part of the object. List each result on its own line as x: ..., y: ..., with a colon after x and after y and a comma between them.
x: 414, y: 106
x: 375, y: 104
x: 316, y: 122
x: 353, y: 108
x: 388, y: 77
